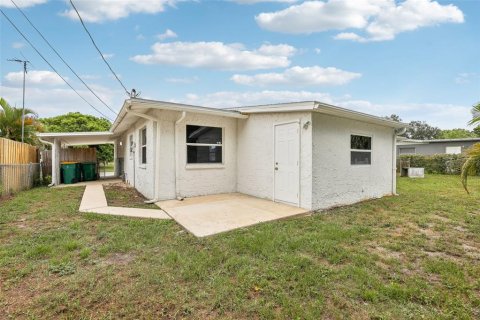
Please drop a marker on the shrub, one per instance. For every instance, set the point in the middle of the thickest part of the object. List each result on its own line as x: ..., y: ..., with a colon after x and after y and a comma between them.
x: 438, y: 163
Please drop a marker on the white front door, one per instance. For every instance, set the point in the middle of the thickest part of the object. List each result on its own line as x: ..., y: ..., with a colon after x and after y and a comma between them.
x: 287, y: 163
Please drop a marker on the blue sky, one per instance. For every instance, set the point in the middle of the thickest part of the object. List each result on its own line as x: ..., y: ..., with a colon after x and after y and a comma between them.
x: 415, y: 58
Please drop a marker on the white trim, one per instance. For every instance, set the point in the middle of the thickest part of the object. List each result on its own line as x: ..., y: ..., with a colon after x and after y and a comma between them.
x: 204, y: 165
x: 141, y: 146
x: 299, y: 161
x: 350, y: 150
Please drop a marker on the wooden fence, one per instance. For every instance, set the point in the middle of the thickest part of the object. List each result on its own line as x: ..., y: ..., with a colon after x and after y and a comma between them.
x: 19, y: 167
x: 67, y: 155
x: 13, y: 152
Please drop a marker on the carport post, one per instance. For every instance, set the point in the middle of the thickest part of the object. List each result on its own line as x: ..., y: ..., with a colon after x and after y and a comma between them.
x: 56, y: 161
x: 115, y: 159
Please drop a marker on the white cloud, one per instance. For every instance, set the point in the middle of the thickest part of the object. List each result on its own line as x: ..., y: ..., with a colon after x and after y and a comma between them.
x: 104, y: 10
x: 379, y: 19
x: 299, y: 76
x: 167, y: 35
x: 186, y: 80
x: 217, y: 55
x: 18, y: 45
x: 445, y: 116
x: 225, y: 99
x: 318, y: 50
x: 108, y: 55
x: 21, y: 3
x: 260, y: 1
x: 466, y: 77
x: 36, y: 77
x: 277, y: 50
x: 349, y: 36
x: 60, y: 100
x: 140, y: 37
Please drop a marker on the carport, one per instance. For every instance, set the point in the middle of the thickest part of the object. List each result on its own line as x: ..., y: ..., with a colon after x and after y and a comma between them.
x: 59, y: 140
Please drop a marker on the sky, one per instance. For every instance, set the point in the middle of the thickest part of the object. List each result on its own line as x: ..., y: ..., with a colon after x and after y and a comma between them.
x: 418, y: 59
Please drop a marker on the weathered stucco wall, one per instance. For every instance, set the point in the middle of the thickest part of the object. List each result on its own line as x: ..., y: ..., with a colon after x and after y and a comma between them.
x: 141, y: 176
x: 202, y: 179
x: 255, y: 155
x: 335, y: 180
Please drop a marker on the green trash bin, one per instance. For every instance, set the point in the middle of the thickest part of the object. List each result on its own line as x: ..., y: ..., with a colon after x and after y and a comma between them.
x: 89, y: 171
x: 70, y: 172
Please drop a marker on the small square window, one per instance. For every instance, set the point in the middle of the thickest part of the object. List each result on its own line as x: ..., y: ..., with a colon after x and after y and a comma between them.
x: 361, y: 150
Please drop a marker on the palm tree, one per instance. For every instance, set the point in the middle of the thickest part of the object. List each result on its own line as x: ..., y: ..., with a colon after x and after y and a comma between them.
x: 472, y: 165
x: 11, y: 123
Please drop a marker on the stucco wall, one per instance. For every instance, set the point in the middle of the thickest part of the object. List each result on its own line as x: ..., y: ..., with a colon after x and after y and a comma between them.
x: 335, y: 180
x: 141, y: 176
x: 255, y: 155
x: 436, y: 147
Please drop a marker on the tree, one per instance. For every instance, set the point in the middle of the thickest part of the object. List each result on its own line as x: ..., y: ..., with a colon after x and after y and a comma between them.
x: 78, y: 122
x: 471, y: 166
x: 11, y: 123
x: 420, y: 130
x: 476, y: 131
x: 456, y: 134
x: 394, y: 117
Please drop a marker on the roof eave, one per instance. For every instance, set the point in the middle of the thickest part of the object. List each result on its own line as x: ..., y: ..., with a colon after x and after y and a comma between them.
x: 356, y: 115
x: 142, y: 104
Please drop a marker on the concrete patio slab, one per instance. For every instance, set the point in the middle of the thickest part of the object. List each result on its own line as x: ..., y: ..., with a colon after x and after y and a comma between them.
x: 208, y: 215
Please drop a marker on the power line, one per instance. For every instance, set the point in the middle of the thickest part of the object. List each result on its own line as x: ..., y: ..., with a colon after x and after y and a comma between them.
x: 96, y: 47
x: 44, y: 59
x: 58, y: 54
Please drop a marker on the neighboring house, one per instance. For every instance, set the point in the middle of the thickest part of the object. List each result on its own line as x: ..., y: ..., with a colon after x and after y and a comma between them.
x: 438, y: 146
x: 308, y: 154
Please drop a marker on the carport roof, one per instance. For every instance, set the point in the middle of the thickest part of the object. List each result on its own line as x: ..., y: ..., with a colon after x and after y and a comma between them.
x: 78, y: 138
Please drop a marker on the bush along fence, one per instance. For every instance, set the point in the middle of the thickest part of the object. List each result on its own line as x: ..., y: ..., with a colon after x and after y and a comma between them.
x: 19, y: 166
x: 439, y: 163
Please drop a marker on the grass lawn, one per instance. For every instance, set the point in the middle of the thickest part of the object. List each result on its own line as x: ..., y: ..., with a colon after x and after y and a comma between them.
x: 121, y: 195
x: 408, y: 257
x: 108, y: 168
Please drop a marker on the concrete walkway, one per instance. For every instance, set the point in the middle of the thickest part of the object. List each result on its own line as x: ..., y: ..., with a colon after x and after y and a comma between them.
x: 201, y: 216
x: 208, y: 215
x: 94, y: 200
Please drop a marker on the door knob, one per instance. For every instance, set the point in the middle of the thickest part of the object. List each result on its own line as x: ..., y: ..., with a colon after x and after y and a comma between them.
x: 276, y: 168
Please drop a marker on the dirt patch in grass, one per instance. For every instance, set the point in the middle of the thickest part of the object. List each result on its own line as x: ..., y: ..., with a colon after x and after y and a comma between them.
x: 122, y: 195
x: 119, y: 259
x: 4, y: 198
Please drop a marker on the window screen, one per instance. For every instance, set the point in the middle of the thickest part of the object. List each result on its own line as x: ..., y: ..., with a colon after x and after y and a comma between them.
x: 361, y: 150
x: 204, y: 144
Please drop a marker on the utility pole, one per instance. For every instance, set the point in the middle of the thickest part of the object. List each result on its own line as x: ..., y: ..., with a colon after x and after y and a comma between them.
x: 24, y: 62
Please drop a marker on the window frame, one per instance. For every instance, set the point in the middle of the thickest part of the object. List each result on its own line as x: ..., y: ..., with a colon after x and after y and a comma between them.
x: 360, y: 150
x: 202, y: 165
x: 447, y: 148
x: 141, y: 145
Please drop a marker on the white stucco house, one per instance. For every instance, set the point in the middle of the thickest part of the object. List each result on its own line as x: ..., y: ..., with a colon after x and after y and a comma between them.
x: 307, y: 154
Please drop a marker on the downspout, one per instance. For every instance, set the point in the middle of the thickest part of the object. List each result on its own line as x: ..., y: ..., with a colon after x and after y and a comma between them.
x: 51, y: 145
x: 175, y: 152
x: 396, y: 132
x: 156, y: 185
